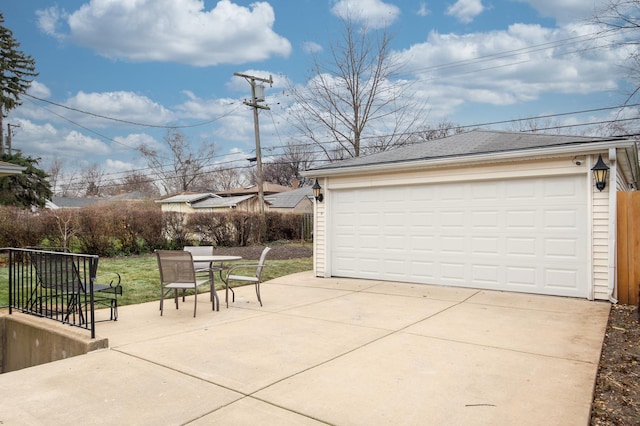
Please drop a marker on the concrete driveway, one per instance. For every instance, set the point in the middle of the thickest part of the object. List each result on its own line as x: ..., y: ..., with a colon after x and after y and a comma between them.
x: 328, y: 351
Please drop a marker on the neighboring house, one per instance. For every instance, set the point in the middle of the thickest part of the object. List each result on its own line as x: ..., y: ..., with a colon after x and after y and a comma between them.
x: 71, y: 202
x: 182, y: 203
x: 490, y: 210
x: 243, y: 203
x: 267, y: 189
x: 203, y: 202
x: 295, y: 201
x: 78, y: 202
x: 10, y: 169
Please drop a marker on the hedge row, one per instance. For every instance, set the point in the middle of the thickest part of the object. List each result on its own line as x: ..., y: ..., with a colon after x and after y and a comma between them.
x: 123, y: 228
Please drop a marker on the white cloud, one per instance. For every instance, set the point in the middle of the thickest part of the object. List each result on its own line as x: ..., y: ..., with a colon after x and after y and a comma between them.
x: 373, y: 13
x: 47, y: 141
x: 49, y: 21
x: 520, y: 64
x: 135, y: 141
x: 566, y: 11
x: 311, y: 47
x: 38, y: 90
x: 206, y: 109
x: 423, y: 10
x: 173, y: 31
x: 121, y: 105
x: 465, y: 10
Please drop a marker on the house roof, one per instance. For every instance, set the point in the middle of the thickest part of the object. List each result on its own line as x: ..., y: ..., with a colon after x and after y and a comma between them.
x: 133, y: 195
x: 77, y: 202
x: 9, y: 169
x: 477, y: 143
x: 190, y: 197
x: 267, y: 188
x: 221, y: 202
x: 290, y: 199
x: 72, y: 202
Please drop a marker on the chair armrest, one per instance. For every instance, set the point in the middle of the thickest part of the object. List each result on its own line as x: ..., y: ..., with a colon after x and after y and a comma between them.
x: 113, y: 286
x: 242, y: 266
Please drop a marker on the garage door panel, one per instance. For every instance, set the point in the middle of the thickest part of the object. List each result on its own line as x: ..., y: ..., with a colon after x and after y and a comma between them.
x: 453, y: 273
x: 521, y: 276
x: 488, y: 273
x: 521, y: 246
x: 452, y: 245
x: 565, y: 191
x: 453, y: 219
x: 522, y: 219
x: 485, y: 219
x: 487, y: 246
x: 561, y: 219
x: 560, y: 279
x: 522, y: 235
x: 564, y: 249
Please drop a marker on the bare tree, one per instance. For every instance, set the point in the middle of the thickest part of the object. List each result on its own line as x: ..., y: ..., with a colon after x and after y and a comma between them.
x: 182, y: 171
x: 134, y: 181
x: 287, y: 168
x: 55, y: 174
x: 544, y: 125
x: 69, y: 186
x: 622, y: 17
x: 441, y: 130
x: 355, y: 96
x: 227, y: 178
x: 92, y: 178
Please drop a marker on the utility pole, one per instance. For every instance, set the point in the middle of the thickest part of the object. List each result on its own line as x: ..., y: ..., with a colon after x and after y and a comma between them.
x: 255, y: 105
x: 9, y: 135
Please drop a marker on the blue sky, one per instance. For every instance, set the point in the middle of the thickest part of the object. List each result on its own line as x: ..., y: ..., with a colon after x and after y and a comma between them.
x: 171, y: 63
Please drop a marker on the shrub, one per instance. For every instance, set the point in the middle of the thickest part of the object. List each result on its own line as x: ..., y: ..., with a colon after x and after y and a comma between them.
x: 123, y: 228
x: 208, y: 228
x: 283, y: 226
x: 19, y: 227
x: 175, y: 232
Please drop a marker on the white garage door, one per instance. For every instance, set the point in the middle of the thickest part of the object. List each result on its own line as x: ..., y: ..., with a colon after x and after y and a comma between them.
x: 527, y: 235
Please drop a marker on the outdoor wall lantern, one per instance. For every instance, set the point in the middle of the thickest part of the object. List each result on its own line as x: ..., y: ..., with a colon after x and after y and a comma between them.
x: 600, y: 172
x: 316, y: 191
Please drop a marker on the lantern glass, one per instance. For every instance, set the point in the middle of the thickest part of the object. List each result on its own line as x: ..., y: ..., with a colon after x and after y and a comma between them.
x: 316, y: 191
x: 600, y: 172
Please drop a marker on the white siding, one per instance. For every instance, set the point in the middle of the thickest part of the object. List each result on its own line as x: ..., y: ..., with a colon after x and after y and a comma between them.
x: 319, y: 237
x: 600, y: 238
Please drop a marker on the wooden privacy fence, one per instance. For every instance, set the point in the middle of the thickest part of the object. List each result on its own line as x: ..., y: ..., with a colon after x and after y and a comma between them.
x: 628, y: 263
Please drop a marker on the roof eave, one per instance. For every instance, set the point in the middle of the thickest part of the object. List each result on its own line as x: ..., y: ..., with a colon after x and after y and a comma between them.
x: 488, y: 157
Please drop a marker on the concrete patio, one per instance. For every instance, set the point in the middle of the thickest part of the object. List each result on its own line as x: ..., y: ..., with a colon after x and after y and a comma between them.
x: 328, y: 351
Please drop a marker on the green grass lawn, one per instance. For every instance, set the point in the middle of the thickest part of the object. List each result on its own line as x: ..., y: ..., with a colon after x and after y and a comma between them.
x: 141, y: 280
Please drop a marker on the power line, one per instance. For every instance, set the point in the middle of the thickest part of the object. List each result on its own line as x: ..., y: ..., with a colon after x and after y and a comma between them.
x: 133, y: 123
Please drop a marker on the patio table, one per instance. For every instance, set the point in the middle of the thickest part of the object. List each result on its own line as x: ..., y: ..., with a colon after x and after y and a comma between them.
x: 212, y: 259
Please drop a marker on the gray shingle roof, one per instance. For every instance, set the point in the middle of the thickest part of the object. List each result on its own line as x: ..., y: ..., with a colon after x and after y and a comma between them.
x: 289, y: 199
x: 187, y: 198
x: 465, y: 144
x: 221, y: 202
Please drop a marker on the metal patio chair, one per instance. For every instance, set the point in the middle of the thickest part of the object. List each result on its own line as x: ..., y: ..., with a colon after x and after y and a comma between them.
x: 177, y: 272
x: 255, y: 279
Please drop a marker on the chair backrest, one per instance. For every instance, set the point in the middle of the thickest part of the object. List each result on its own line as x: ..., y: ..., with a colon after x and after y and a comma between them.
x: 61, y: 272
x: 176, y: 266
x: 263, y: 256
x: 200, y: 251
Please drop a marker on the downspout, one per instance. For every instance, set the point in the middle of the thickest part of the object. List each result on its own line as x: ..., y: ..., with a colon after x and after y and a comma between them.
x: 613, y: 229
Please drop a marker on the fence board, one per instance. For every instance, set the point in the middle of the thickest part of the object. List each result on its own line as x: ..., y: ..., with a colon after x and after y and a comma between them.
x: 628, y: 246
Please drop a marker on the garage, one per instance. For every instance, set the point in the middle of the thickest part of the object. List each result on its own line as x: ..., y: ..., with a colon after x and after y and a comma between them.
x: 491, y: 210
x: 527, y: 235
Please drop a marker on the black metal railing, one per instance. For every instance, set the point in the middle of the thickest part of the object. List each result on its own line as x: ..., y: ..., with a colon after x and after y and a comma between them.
x: 54, y: 285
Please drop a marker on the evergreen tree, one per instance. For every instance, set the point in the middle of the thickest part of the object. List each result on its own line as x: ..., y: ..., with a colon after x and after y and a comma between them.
x: 28, y: 189
x: 17, y: 70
